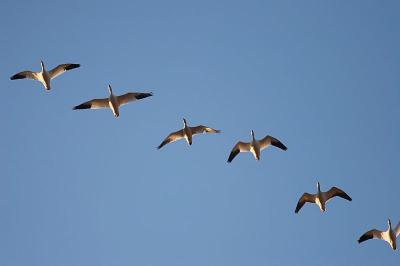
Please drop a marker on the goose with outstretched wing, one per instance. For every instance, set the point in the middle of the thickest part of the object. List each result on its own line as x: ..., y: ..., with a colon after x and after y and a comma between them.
x: 255, y: 146
x: 45, y: 76
x: 187, y: 133
x: 113, y: 102
x: 389, y: 235
x: 321, y: 198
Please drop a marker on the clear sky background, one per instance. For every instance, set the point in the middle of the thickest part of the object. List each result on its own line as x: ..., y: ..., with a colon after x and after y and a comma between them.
x: 81, y: 188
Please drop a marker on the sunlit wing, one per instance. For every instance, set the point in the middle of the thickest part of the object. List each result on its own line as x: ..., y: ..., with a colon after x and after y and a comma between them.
x: 132, y: 96
x: 239, y: 147
x: 25, y: 75
x: 203, y: 129
x: 171, y: 138
x: 306, y: 197
x: 370, y: 235
x: 58, y: 70
x: 93, y: 104
x: 334, y: 191
x: 269, y: 140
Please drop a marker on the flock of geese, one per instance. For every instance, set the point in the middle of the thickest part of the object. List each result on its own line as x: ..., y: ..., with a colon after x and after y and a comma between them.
x: 114, y: 102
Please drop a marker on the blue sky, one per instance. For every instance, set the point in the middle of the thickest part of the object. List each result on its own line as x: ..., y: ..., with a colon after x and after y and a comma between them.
x: 83, y: 188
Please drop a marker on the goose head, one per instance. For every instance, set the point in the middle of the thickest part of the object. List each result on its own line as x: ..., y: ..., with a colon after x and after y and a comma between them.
x: 252, y: 134
x: 184, y: 122
x: 389, y: 223
x: 110, y: 89
x: 318, y: 186
x: 42, y: 65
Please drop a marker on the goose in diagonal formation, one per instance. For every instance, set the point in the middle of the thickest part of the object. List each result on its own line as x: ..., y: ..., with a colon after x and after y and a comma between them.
x: 321, y: 198
x: 255, y: 146
x: 187, y: 133
x: 113, y: 101
x: 389, y: 235
x: 45, y: 76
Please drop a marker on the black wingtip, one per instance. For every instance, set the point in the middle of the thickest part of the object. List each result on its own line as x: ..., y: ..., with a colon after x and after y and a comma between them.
x: 278, y: 144
x: 233, y: 154
x: 364, y: 238
x: 72, y: 66
x: 344, y: 195
x: 17, y: 76
x: 161, y: 145
x: 144, y: 95
x: 82, y: 106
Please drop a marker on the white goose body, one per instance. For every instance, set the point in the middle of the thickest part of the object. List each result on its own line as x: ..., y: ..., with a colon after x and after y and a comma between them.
x: 187, y: 133
x: 389, y: 235
x: 45, y: 76
x: 255, y: 146
x: 321, y: 198
x: 113, y: 102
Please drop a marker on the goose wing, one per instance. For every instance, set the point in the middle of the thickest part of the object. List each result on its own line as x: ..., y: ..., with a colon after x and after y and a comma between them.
x: 370, y: 235
x: 306, y: 197
x: 203, y: 129
x: 174, y: 136
x: 58, y: 70
x: 24, y: 75
x: 397, y: 230
x: 334, y: 191
x: 269, y: 140
x: 93, y: 104
x: 132, y: 96
x: 239, y: 147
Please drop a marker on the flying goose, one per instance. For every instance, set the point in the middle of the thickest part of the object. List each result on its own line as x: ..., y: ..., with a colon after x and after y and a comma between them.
x: 321, y: 198
x: 45, y: 76
x: 187, y: 133
x: 113, y: 101
x: 389, y: 235
x: 255, y: 146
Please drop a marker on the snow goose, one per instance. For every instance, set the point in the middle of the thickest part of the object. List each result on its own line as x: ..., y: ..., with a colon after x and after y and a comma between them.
x: 255, y: 146
x: 389, y: 235
x: 45, y: 76
x: 187, y: 133
x: 321, y: 198
x: 113, y: 102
